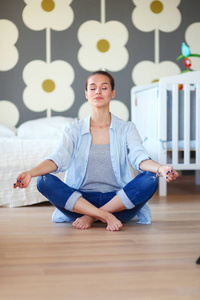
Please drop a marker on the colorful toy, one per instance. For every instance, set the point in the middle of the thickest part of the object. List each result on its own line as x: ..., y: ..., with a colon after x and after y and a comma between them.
x: 185, y: 54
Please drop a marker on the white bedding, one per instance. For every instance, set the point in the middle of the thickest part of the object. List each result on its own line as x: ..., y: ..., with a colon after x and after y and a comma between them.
x: 20, y: 153
x: 16, y: 156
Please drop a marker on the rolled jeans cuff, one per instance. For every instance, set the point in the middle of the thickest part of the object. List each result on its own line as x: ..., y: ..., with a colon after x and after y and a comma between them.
x: 72, y: 200
x: 125, y: 200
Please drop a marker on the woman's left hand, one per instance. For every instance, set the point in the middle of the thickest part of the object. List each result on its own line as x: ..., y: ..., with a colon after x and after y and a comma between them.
x: 168, y: 172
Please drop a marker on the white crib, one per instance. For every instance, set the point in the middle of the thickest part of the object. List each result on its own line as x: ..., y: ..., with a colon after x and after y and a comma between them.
x: 168, y: 120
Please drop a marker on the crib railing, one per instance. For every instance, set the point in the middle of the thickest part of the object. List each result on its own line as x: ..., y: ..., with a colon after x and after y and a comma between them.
x: 170, y: 127
x: 190, y: 140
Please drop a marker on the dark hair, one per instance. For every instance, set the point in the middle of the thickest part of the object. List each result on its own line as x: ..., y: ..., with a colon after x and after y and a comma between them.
x: 112, y: 82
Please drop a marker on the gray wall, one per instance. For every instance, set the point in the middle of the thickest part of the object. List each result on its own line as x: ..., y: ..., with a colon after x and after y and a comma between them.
x: 65, y: 46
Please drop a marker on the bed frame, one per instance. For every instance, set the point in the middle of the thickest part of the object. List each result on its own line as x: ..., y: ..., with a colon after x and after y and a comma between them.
x: 167, y: 116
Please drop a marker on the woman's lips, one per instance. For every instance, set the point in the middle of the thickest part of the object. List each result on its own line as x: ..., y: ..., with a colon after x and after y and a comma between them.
x: 98, y: 98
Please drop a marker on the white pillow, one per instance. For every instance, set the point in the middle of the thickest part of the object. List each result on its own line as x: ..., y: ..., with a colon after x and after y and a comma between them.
x: 6, y: 132
x: 44, y: 128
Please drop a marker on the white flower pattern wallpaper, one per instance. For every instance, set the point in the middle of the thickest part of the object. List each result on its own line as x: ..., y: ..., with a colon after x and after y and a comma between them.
x: 49, y: 47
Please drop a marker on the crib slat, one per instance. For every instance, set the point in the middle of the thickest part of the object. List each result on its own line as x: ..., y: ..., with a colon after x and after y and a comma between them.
x: 162, y: 124
x: 175, y: 119
x: 186, y: 124
x: 198, y: 124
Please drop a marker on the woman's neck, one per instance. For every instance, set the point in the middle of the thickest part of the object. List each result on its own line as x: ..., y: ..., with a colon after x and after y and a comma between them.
x: 100, y: 119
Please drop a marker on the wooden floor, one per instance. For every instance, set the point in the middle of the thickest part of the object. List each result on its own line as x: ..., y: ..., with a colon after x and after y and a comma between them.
x: 41, y: 260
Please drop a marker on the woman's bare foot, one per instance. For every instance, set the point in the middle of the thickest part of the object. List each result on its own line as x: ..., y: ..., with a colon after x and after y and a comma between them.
x: 84, y: 222
x: 113, y: 224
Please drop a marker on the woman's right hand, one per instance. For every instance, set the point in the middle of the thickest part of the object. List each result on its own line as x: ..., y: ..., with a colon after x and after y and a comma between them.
x: 23, y: 180
x: 45, y: 167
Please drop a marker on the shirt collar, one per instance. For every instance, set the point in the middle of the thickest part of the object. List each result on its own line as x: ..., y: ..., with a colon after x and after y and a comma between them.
x: 86, y: 124
x: 113, y: 120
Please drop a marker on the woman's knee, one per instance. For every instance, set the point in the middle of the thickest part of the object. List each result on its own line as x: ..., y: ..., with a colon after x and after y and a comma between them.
x: 146, y: 181
x: 151, y: 180
x: 43, y: 181
x: 141, y: 188
x: 151, y: 177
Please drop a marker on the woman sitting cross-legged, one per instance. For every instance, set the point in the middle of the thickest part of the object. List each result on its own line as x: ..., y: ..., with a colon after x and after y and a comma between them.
x: 95, y: 153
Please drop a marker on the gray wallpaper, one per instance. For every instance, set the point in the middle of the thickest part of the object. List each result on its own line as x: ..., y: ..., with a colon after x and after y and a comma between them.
x: 142, y: 54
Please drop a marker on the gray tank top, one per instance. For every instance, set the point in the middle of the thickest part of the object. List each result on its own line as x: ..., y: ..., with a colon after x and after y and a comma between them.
x: 99, y: 174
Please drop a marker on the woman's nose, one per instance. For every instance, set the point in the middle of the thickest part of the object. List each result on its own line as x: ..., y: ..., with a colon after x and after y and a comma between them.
x: 98, y: 90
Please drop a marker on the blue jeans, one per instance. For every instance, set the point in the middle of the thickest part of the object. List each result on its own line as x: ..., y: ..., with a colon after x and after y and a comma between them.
x: 136, y: 193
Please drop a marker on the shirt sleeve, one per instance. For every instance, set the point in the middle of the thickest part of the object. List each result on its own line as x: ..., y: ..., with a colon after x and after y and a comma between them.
x: 136, y: 151
x: 63, y: 154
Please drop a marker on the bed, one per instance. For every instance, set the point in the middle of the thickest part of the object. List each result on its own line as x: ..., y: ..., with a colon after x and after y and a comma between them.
x: 22, y: 149
x: 167, y: 115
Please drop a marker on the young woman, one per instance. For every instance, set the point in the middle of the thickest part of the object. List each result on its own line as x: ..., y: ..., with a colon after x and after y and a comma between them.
x: 95, y: 153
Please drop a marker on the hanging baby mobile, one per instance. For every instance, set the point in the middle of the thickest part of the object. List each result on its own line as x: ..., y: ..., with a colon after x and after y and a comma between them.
x: 186, y: 54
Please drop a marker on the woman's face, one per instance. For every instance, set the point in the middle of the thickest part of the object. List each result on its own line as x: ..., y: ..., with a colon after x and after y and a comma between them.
x: 99, y: 91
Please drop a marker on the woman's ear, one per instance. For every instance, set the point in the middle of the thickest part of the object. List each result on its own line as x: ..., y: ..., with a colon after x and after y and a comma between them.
x: 85, y: 94
x: 113, y: 93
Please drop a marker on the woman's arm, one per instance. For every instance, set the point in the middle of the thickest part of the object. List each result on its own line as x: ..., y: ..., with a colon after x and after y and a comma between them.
x: 45, y: 167
x: 165, y: 170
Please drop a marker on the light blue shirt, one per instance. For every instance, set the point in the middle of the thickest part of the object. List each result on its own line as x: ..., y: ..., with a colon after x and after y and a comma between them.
x: 72, y: 152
